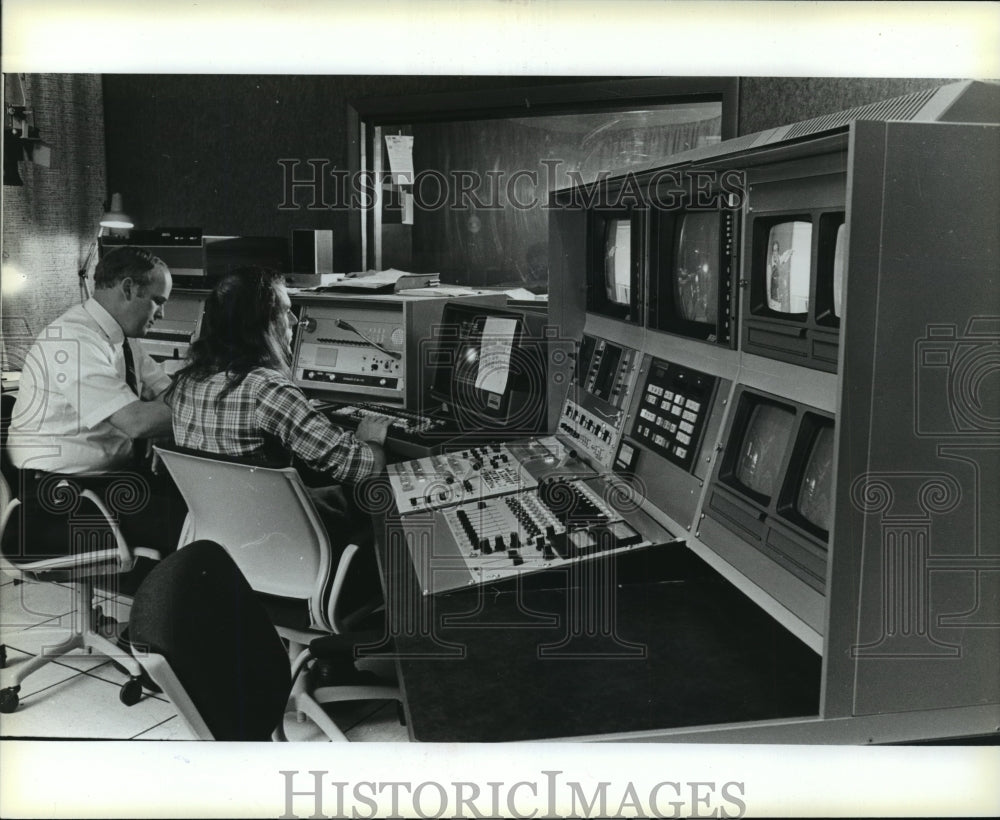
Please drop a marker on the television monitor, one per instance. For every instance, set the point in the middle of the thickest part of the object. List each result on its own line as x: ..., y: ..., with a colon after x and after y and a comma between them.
x: 696, y: 269
x: 795, y: 252
x: 490, y: 369
x: 787, y: 267
x: 618, y: 261
x: 692, y: 261
x: 615, y: 263
x: 838, y: 271
x: 814, y: 493
x: 762, y: 449
x: 774, y: 486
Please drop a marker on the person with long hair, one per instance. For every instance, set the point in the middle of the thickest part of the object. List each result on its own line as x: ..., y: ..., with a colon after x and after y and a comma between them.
x: 235, y: 397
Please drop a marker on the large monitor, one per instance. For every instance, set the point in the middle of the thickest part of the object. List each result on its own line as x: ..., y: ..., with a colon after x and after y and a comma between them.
x: 691, y: 269
x: 489, y: 369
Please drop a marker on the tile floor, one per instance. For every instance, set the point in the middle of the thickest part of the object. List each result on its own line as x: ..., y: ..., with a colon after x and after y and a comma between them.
x: 76, y: 697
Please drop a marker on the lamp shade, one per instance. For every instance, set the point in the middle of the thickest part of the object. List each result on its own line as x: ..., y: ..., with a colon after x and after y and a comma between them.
x: 115, y: 217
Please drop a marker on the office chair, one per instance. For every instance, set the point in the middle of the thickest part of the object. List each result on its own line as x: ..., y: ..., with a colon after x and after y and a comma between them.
x: 205, y: 638
x: 97, y: 550
x: 84, y: 565
x: 266, y: 521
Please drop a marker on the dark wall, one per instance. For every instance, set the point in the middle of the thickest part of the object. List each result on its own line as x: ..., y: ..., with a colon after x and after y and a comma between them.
x: 204, y: 150
x: 768, y: 102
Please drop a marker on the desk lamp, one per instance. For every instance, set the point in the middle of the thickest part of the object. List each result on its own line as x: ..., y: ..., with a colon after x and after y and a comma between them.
x: 114, y: 219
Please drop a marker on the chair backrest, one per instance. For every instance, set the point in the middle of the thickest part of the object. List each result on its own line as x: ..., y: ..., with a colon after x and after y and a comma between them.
x: 264, y: 518
x: 206, y: 639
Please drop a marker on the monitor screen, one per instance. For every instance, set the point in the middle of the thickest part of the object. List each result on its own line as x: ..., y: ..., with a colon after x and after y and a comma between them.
x: 762, y: 449
x: 618, y: 261
x: 813, y: 501
x: 488, y: 368
x: 787, y: 266
x: 838, y: 269
x: 696, y: 267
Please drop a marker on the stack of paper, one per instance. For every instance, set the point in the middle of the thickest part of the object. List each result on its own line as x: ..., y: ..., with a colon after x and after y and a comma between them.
x: 383, y: 281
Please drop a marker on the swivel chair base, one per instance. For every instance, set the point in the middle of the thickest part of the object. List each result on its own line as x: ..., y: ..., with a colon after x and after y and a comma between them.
x: 87, y: 636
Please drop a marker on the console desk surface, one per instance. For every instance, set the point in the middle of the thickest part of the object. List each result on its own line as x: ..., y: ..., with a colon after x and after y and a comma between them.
x: 653, y: 639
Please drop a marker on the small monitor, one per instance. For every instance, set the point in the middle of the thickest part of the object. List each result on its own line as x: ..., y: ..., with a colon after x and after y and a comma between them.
x: 814, y: 496
x: 696, y: 268
x: 762, y: 448
x: 839, y: 260
x: 787, y: 266
x: 618, y: 261
x: 615, y: 257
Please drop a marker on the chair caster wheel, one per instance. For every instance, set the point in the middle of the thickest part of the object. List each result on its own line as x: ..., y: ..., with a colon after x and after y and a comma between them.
x: 9, y: 699
x: 131, y: 692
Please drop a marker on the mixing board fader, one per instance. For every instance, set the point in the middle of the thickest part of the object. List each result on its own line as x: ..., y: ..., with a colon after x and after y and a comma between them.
x: 559, y: 522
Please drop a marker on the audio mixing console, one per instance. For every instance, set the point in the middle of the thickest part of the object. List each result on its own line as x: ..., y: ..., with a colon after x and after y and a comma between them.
x: 558, y: 523
x: 502, y: 511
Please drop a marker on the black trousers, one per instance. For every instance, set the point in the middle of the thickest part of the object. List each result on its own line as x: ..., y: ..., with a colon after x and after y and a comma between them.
x: 55, y: 519
x: 346, y: 523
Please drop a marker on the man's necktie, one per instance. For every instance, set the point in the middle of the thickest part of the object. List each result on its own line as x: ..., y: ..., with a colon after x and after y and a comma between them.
x: 130, y: 368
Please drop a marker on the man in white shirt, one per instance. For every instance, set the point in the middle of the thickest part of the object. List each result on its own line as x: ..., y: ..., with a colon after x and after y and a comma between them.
x: 86, y: 394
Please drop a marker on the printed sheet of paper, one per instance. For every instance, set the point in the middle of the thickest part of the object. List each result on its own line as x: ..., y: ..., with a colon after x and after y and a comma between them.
x: 400, y: 148
x: 495, y: 349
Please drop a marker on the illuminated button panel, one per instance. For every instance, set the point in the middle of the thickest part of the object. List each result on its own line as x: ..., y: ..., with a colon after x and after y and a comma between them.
x: 597, y: 438
x: 672, y: 410
x: 610, y: 372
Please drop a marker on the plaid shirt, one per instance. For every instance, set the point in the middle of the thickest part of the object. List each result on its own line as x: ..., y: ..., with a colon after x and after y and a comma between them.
x: 264, y: 408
